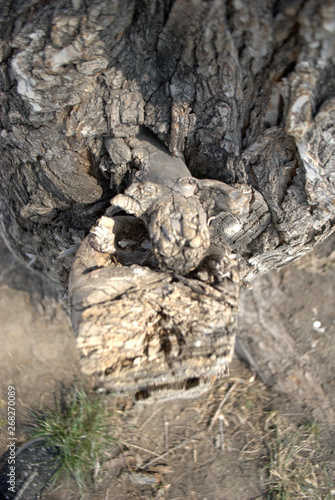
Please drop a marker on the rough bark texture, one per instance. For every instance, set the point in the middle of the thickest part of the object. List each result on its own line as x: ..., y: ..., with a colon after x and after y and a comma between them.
x: 243, y: 89
x: 153, y: 300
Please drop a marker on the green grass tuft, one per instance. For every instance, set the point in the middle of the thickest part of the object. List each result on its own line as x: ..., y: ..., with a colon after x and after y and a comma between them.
x: 78, y: 429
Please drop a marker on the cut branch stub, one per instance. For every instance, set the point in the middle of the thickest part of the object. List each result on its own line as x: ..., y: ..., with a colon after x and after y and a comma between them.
x: 153, y: 300
x: 140, y: 329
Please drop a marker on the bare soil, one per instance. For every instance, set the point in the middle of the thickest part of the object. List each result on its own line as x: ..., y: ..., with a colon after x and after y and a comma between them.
x: 182, y: 449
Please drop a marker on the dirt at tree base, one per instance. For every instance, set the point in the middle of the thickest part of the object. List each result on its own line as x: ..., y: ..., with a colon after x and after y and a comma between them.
x: 182, y: 449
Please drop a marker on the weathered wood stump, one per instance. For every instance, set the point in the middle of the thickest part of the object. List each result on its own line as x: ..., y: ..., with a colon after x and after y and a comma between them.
x: 153, y: 302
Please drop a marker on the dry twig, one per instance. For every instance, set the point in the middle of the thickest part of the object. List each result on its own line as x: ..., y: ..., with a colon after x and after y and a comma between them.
x: 221, y: 405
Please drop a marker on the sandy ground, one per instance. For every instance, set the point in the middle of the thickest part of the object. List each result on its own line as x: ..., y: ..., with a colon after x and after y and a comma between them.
x: 194, y: 455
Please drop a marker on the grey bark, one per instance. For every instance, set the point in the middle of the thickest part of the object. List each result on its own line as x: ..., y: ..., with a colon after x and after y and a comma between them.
x: 243, y: 89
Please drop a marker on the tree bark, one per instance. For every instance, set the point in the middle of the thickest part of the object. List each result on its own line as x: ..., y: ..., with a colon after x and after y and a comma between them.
x: 243, y: 89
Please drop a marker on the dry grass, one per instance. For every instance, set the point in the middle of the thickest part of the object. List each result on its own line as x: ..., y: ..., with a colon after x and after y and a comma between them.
x: 295, y: 463
x: 295, y: 469
x: 233, y: 420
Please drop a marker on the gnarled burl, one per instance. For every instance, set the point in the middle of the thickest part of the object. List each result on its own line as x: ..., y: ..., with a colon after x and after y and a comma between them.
x: 153, y: 290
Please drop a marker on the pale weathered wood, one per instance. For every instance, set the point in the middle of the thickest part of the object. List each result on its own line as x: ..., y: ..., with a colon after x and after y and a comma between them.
x: 143, y: 330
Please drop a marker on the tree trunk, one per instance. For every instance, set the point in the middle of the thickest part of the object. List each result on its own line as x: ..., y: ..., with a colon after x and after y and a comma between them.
x: 244, y: 90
